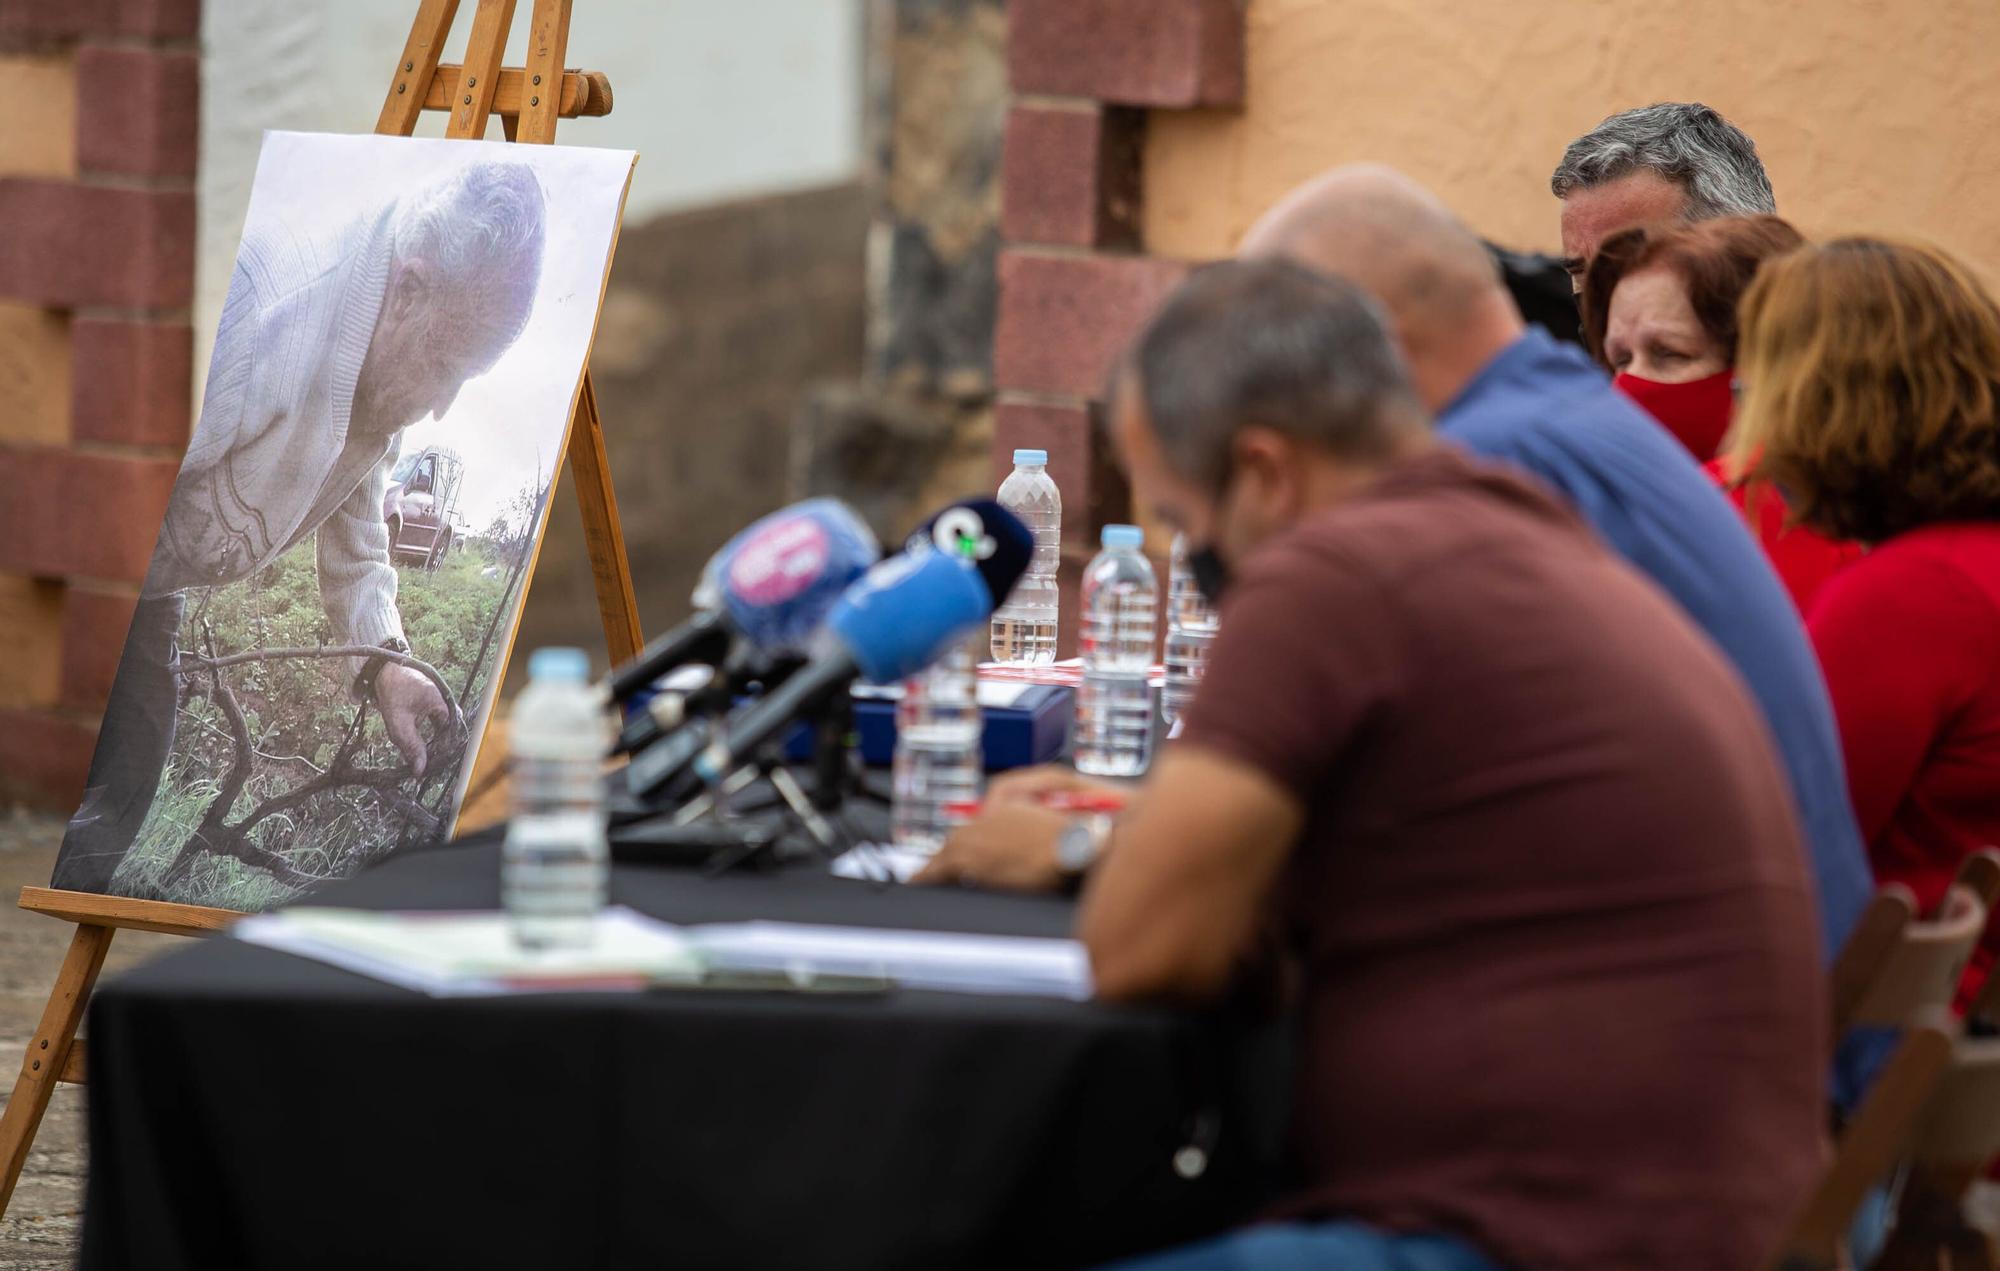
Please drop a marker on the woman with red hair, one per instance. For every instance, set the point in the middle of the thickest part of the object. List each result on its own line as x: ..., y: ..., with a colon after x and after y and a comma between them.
x: 1659, y: 313
x: 1871, y: 397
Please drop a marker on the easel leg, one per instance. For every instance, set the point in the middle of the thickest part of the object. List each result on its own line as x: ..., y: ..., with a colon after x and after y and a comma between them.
x: 48, y: 1052
x: 616, y: 604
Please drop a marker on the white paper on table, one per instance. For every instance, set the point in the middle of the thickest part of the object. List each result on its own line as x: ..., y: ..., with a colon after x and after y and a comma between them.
x: 944, y: 961
x: 879, y: 863
x: 474, y: 954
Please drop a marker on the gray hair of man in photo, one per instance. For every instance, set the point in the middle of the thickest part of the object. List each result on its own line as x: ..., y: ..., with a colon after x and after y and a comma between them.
x: 1269, y: 342
x: 481, y: 230
x: 466, y: 263
x: 1687, y: 143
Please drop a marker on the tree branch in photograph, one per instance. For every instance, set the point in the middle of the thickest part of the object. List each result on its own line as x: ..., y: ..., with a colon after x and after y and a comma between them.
x: 216, y: 834
x: 342, y: 651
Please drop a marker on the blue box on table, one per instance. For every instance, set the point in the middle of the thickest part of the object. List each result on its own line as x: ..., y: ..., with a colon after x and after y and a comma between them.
x: 1030, y: 726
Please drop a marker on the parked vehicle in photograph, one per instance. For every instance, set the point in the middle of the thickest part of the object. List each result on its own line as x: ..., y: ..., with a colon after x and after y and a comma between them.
x: 420, y: 507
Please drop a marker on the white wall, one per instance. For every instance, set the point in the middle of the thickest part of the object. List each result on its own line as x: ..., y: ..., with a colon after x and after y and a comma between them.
x: 720, y: 98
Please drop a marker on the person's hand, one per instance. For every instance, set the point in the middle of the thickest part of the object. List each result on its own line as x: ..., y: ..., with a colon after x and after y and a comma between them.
x: 408, y: 699
x: 1009, y: 845
x: 1035, y: 785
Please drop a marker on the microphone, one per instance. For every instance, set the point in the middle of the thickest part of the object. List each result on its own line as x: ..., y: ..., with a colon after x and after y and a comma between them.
x: 739, y: 671
x: 772, y: 585
x: 898, y: 619
x: 998, y: 543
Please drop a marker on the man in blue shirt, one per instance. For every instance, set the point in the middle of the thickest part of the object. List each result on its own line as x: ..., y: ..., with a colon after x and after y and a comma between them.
x: 1506, y: 391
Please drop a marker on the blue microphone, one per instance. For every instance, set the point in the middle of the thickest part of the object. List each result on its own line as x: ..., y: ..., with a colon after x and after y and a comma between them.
x: 781, y: 576
x: 898, y: 619
x: 772, y: 584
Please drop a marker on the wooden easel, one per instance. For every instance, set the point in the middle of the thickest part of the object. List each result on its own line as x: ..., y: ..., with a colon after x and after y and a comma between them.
x: 528, y: 100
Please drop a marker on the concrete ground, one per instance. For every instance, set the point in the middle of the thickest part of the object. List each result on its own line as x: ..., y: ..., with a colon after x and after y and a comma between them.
x: 41, y: 1226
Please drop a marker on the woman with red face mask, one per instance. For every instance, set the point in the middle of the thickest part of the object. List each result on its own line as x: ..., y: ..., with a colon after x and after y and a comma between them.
x: 1659, y: 313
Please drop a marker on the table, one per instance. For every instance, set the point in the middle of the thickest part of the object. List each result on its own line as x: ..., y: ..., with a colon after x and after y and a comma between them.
x: 253, y: 1109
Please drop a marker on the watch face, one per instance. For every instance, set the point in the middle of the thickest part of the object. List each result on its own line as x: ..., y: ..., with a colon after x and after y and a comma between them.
x: 1076, y: 847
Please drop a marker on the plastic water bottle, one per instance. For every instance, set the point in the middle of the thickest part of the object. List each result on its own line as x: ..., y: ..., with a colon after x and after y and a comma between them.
x: 1191, y: 627
x: 1024, y: 628
x: 554, y: 866
x: 939, y: 766
x: 1114, y: 712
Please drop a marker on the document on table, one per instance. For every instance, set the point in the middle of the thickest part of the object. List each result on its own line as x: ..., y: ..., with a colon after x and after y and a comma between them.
x: 474, y: 954
x: 879, y: 863
x: 470, y: 954
x: 947, y: 962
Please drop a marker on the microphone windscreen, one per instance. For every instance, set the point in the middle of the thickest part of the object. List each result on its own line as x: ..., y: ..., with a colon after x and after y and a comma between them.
x: 781, y: 576
x: 999, y: 543
x: 907, y: 612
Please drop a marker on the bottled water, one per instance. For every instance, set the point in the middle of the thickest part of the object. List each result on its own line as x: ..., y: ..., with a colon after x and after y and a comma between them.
x: 1114, y: 712
x: 1024, y: 627
x: 554, y: 865
x: 939, y: 762
x: 1191, y: 627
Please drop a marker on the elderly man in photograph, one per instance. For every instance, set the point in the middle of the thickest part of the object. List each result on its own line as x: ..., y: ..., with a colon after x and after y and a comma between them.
x: 328, y: 348
x: 1671, y: 161
x: 1513, y: 819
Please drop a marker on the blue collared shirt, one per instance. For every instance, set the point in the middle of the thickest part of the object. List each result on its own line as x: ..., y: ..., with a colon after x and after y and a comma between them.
x: 1542, y: 406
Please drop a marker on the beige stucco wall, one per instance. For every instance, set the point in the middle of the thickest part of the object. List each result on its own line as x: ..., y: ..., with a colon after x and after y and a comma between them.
x: 1879, y: 115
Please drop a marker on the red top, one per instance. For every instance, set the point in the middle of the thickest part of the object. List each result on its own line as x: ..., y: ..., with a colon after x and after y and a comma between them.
x: 1909, y: 637
x: 1804, y: 560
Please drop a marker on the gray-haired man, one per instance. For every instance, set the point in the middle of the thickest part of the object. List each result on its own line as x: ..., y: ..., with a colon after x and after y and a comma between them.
x: 1671, y: 161
x: 328, y: 348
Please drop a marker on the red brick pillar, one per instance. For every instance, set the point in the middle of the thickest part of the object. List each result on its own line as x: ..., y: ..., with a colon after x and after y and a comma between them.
x: 97, y: 170
x: 1074, y: 282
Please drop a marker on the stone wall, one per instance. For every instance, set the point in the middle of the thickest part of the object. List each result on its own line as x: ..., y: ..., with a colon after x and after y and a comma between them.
x: 913, y: 431
x: 97, y: 166
x: 1087, y: 77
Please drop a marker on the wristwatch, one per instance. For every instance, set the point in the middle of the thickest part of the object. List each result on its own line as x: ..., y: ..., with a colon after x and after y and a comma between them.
x: 364, y: 680
x: 1081, y: 843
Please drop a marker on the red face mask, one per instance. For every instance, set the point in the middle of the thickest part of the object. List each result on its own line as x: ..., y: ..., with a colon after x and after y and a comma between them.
x: 1696, y: 412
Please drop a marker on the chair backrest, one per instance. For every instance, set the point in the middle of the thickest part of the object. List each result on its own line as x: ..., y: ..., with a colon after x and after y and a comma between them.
x: 1878, y: 1136
x: 1960, y: 1129
x: 1979, y: 874
x: 1951, y: 1142
x: 1894, y: 967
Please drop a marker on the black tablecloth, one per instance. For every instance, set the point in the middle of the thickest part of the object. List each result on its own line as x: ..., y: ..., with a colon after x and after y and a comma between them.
x: 253, y: 1109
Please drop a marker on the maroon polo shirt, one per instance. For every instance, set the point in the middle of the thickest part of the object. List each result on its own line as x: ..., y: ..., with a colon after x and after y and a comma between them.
x: 1561, y: 987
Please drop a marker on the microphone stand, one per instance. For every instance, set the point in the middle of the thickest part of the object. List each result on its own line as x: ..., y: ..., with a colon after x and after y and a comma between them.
x: 833, y: 769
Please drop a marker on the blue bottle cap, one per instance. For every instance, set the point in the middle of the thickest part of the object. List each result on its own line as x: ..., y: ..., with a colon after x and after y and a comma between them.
x: 1031, y: 457
x: 559, y: 665
x: 1123, y: 536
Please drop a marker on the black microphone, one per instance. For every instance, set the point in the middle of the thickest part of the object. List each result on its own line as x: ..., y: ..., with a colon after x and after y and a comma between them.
x: 771, y: 584
x: 898, y: 619
x: 651, y: 736
x: 998, y: 543
x: 705, y: 637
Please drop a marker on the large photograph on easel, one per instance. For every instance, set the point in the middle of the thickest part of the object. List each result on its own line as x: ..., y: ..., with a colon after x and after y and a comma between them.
x: 322, y: 629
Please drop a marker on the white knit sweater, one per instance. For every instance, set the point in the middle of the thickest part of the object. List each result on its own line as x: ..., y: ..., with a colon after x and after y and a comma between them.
x: 272, y: 459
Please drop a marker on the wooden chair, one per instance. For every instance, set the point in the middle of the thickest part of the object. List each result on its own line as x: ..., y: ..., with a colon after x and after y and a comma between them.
x: 1956, y: 1136
x: 1895, y: 972
x: 1875, y: 1140
x: 1894, y: 967
x: 1979, y: 874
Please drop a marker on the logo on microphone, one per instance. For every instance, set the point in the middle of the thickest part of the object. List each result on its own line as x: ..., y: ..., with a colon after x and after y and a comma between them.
x: 959, y: 532
x: 779, y: 561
